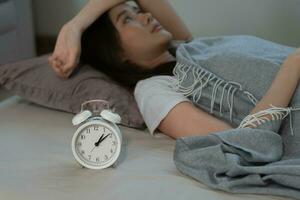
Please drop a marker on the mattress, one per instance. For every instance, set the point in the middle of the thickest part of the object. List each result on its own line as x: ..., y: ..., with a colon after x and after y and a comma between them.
x: 37, y: 162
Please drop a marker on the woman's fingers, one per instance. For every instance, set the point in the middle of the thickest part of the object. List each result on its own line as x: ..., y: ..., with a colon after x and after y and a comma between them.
x: 69, y: 66
x: 50, y: 60
x: 68, y: 73
x: 64, y: 65
x: 55, y: 62
x: 56, y: 65
x: 65, y: 70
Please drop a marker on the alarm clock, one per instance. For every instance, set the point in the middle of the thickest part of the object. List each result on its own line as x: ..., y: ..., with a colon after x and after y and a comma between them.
x: 97, y: 142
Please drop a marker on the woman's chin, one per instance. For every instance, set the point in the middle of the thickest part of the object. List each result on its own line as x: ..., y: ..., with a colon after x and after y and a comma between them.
x: 167, y: 36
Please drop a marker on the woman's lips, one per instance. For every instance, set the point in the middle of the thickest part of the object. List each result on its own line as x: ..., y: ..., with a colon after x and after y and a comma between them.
x: 156, y: 28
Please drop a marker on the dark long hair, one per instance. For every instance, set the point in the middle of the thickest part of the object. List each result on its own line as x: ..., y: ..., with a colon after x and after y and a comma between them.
x: 100, y: 48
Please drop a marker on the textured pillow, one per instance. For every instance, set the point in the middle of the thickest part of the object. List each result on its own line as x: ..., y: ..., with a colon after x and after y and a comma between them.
x: 35, y: 81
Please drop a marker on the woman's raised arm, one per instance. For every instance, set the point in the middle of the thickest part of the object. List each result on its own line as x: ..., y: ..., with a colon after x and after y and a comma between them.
x: 68, y: 44
x: 91, y: 11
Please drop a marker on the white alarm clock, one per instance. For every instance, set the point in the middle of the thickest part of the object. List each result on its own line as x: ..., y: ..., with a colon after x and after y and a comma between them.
x: 97, y: 142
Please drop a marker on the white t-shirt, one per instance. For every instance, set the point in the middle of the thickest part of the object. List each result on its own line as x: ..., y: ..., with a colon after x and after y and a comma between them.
x: 155, y: 97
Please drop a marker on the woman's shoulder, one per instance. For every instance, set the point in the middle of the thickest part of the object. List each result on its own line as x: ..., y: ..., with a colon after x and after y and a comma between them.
x: 162, y: 84
x: 154, y: 81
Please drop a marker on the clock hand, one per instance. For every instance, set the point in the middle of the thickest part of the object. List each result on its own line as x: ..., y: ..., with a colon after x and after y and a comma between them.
x: 104, y: 138
x: 93, y: 148
x: 97, y: 143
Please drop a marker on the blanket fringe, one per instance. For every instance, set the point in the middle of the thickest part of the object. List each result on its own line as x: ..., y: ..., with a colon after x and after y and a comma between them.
x: 181, y: 70
x: 195, y: 90
x: 277, y: 113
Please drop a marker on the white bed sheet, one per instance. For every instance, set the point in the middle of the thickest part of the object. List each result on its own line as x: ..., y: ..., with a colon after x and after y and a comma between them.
x: 37, y: 163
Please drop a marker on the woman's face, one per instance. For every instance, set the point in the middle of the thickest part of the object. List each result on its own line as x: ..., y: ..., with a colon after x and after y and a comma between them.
x: 135, y: 29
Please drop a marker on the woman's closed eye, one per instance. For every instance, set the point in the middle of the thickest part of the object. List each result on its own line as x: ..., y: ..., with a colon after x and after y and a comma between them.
x: 126, y: 19
x: 130, y: 18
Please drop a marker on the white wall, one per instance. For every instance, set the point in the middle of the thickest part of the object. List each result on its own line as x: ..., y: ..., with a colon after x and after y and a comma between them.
x: 275, y: 20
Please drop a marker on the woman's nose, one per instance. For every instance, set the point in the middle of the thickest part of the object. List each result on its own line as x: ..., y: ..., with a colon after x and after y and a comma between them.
x: 146, y: 18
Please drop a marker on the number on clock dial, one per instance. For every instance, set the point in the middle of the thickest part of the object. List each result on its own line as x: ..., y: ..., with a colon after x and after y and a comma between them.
x: 96, y: 154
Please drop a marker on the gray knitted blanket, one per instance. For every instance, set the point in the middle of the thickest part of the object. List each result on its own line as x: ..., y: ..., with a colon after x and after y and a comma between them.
x: 226, y: 76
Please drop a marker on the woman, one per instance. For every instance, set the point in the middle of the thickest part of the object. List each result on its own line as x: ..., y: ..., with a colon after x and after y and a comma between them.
x: 142, y: 48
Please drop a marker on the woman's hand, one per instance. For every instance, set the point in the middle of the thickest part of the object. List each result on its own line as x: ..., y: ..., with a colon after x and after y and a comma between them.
x: 293, y: 60
x: 67, y: 50
x: 68, y: 45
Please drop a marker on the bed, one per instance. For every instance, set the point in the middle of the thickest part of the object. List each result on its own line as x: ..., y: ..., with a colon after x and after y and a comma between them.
x: 37, y: 162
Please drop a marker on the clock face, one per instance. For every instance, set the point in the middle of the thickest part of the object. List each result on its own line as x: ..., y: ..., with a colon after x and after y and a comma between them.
x: 96, y: 145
